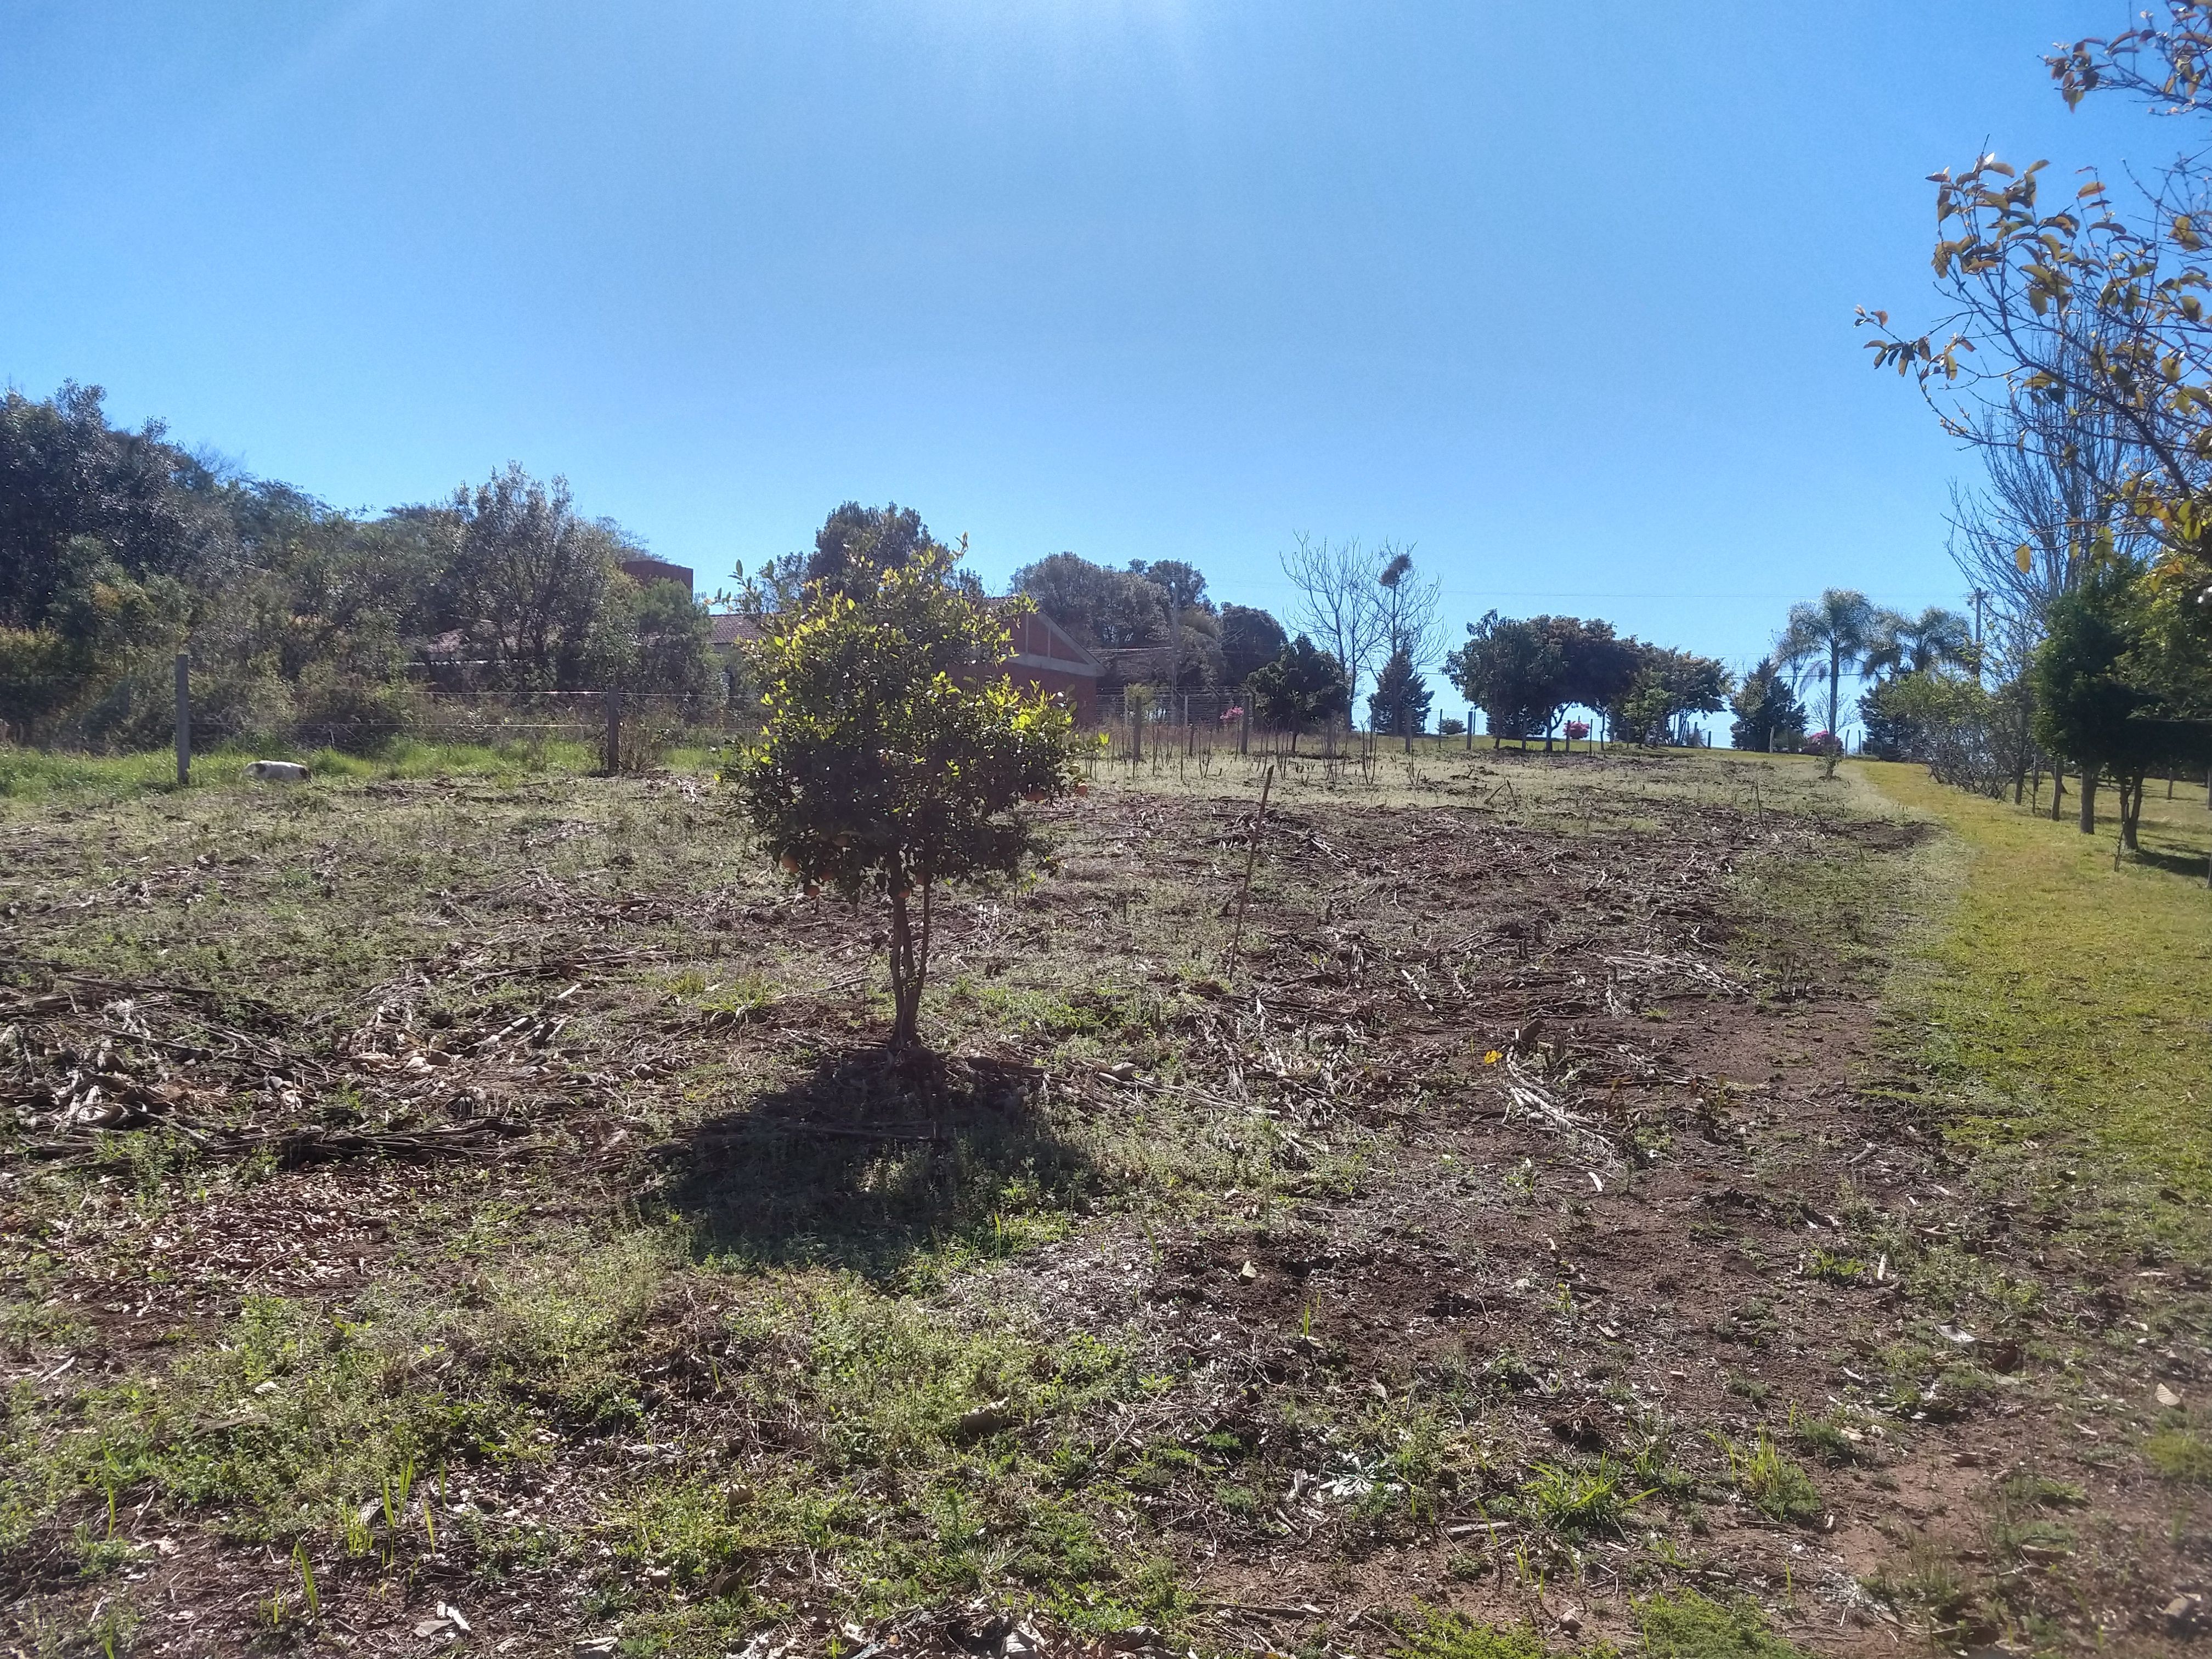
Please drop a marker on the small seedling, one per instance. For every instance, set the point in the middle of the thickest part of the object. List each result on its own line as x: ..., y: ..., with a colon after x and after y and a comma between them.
x: 306, y: 1579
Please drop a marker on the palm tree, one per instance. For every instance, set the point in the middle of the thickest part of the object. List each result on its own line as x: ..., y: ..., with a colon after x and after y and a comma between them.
x: 1907, y: 645
x: 1828, y: 639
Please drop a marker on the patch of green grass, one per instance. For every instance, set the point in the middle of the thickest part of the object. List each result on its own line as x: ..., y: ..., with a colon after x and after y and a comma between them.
x: 1829, y: 1436
x: 35, y: 775
x: 1578, y: 1503
x: 1834, y: 1269
x: 2181, y: 1455
x: 2029, y: 1488
x: 1434, y: 1635
x: 1688, y: 1626
x: 1773, y: 1485
x: 31, y: 775
x: 2062, y: 1004
x: 1755, y: 1390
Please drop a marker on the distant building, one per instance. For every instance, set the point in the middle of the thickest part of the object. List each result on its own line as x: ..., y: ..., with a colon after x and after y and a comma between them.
x: 1043, y: 656
x: 644, y: 568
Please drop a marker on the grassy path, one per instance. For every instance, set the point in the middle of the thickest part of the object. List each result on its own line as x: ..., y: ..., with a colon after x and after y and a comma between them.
x: 2065, y: 1002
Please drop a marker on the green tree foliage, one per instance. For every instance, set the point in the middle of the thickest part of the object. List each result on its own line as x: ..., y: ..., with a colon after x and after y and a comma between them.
x: 893, y: 757
x: 530, y: 577
x: 2092, y: 706
x: 1181, y: 585
x: 1103, y: 609
x: 1250, y: 638
x: 1598, y: 666
x: 83, y: 503
x: 1125, y: 617
x: 1908, y: 715
x: 1669, y: 687
x: 1826, y: 639
x: 1522, y: 673
x: 658, y: 640
x: 1303, y: 687
x: 1768, y: 716
x: 1935, y: 639
x: 884, y: 536
x: 2085, y: 303
x: 1515, y: 671
x: 1400, y: 703
x: 117, y: 549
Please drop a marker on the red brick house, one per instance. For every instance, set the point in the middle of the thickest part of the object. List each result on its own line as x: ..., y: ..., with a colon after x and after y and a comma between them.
x: 1044, y: 656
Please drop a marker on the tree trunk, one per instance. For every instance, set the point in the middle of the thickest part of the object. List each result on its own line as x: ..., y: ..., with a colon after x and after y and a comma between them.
x: 906, y: 976
x: 2057, y: 786
x: 2088, y: 799
x: 2131, y: 800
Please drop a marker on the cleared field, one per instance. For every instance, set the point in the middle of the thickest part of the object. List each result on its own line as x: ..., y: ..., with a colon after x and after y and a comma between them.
x: 1672, y: 1202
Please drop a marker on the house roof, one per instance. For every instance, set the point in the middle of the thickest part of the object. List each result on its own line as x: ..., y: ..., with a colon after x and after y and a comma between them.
x: 736, y: 627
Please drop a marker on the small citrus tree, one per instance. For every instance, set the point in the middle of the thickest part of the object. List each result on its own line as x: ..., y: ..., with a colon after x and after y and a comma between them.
x: 895, y: 752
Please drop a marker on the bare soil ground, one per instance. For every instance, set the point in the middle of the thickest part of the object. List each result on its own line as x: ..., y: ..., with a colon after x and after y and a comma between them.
x: 483, y: 1215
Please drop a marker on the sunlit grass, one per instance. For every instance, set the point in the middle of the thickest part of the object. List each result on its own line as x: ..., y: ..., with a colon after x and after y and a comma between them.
x: 2063, y: 998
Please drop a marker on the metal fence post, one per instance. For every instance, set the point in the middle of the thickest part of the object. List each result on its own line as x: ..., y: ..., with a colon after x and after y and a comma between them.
x: 614, y: 732
x: 184, y: 719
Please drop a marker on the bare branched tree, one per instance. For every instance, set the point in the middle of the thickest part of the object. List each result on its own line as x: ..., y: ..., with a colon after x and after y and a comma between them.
x: 1340, y: 599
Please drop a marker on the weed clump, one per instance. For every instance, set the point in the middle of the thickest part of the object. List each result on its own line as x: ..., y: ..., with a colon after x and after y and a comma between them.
x: 1776, y: 1487
x: 1432, y: 1635
x: 2180, y: 1454
x: 1689, y: 1625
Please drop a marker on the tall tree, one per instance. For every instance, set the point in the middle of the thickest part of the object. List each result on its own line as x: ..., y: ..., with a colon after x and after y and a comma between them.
x: 66, y: 474
x: 1182, y: 589
x: 1410, y: 607
x: 1935, y: 639
x: 1598, y: 666
x: 1515, y: 671
x: 2091, y: 305
x: 2087, y: 700
x: 883, y: 536
x: 1767, y: 714
x: 530, y: 575
x: 1400, y: 702
x: 1250, y: 638
x: 1303, y: 687
x: 1669, y: 686
x: 1339, y: 599
x: 1828, y: 639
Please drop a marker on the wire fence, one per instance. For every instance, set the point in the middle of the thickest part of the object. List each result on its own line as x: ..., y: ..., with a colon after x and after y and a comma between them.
x: 131, y: 713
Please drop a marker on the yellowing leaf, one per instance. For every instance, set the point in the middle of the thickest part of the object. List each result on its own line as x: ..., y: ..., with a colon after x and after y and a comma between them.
x: 2023, y: 558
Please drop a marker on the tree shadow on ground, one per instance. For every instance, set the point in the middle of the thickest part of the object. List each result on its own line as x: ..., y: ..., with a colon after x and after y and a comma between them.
x: 869, y: 1160
x: 2191, y: 864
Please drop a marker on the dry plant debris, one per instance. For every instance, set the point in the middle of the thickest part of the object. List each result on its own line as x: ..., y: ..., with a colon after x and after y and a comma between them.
x: 487, y: 1219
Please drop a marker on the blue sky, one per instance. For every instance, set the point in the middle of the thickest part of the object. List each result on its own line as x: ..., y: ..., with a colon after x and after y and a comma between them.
x: 1562, y: 296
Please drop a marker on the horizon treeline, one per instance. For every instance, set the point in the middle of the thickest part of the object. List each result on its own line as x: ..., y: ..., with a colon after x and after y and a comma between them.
x: 120, y: 548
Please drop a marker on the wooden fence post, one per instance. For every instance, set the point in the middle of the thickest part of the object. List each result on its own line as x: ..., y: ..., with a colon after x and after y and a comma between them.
x: 1251, y: 857
x: 184, y: 719
x: 614, y: 732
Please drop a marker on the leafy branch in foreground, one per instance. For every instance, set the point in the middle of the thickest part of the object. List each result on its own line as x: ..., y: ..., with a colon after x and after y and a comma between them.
x: 2083, y: 307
